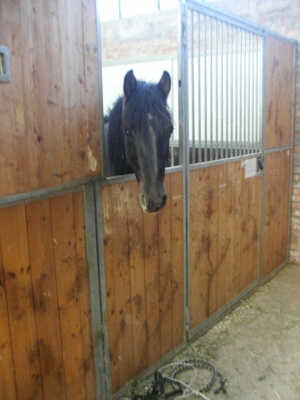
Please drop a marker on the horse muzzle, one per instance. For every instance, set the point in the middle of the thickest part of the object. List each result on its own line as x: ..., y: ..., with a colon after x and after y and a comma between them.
x: 152, y: 203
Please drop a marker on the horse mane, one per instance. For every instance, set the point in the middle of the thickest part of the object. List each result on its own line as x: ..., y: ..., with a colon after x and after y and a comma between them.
x: 146, y: 99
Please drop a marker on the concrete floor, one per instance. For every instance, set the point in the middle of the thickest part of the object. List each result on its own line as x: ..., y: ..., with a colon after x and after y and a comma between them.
x: 257, y: 346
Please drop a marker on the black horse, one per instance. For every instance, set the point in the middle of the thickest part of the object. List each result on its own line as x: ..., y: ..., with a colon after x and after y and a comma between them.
x: 138, y: 131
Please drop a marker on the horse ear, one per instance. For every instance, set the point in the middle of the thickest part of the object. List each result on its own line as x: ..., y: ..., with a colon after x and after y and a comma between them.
x: 130, y: 84
x: 165, y: 83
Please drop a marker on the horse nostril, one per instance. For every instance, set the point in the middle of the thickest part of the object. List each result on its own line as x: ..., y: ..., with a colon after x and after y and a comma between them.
x: 164, y: 200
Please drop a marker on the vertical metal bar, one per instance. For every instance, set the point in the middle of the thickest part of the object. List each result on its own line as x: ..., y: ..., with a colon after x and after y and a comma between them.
x: 226, y: 93
x: 97, y: 297
x: 192, y: 88
x: 216, y: 145
x: 205, y: 91
x: 183, y: 36
x: 222, y: 91
x: 258, y: 97
x: 293, y: 141
x: 249, y: 95
x: 263, y: 130
x: 199, y: 89
x: 244, y: 96
x: 241, y: 93
x: 252, y: 96
x: 236, y: 92
x: 210, y: 91
x: 231, y: 93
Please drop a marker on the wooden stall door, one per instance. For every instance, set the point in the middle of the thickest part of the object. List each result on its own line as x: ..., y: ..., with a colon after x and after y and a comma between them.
x: 45, y: 336
x: 224, y: 231
x: 49, y: 112
x: 279, y: 106
x: 144, y: 278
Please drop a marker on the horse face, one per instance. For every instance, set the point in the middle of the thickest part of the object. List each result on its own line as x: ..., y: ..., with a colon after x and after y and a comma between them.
x: 146, y: 140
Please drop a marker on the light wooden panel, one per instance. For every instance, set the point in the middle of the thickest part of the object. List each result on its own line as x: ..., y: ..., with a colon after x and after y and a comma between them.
x: 144, y: 277
x: 224, y: 230
x: 279, y: 92
x: 50, y: 109
x: 45, y: 335
x: 276, y: 210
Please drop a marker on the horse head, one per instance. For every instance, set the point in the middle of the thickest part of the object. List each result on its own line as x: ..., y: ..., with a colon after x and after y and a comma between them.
x: 147, y: 127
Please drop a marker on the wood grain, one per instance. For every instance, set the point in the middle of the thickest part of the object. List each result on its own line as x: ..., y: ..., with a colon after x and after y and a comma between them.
x: 279, y: 92
x: 50, y: 107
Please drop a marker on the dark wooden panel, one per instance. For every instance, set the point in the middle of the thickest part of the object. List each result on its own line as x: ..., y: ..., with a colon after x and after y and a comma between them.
x: 224, y: 229
x: 279, y: 92
x: 45, y: 335
x: 50, y: 107
x: 276, y: 210
x: 144, y: 278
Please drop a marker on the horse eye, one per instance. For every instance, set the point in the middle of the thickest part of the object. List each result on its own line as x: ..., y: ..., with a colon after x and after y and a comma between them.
x: 127, y: 132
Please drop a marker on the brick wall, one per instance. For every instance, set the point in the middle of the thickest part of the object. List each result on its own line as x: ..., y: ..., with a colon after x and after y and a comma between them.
x: 156, y: 35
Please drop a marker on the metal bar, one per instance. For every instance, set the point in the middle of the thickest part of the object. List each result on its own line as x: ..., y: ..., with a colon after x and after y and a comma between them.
x: 224, y: 161
x: 236, y: 92
x: 95, y: 296
x: 252, y: 97
x: 293, y: 141
x: 102, y: 282
x: 205, y: 93
x: 226, y: 93
x: 39, y: 194
x: 183, y: 36
x: 244, y: 98
x: 222, y: 91
x: 216, y: 146
x: 210, y: 92
x: 241, y: 91
x: 199, y: 90
x: 249, y: 96
x: 263, y: 129
x: 231, y: 94
x: 192, y: 88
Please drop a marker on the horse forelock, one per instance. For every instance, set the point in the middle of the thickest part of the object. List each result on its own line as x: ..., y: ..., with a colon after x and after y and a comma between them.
x: 147, y: 99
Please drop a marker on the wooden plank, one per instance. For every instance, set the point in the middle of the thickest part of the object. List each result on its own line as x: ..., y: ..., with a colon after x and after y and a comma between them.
x: 91, y: 99
x: 223, y: 240
x: 7, y: 376
x: 137, y: 279
x: 230, y: 267
x: 20, y: 302
x: 214, y: 264
x: 176, y: 200
x: 165, y: 274
x: 67, y: 280
x: 40, y: 241
x: 84, y: 295
x: 122, y: 282
x: 7, y: 172
x: 152, y: 287
x: 276, y: 209
x: 245, y: 233
x: 238, y: 196
x: 279, y: 85
x: 107, y: 220
x: 200, y: 212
